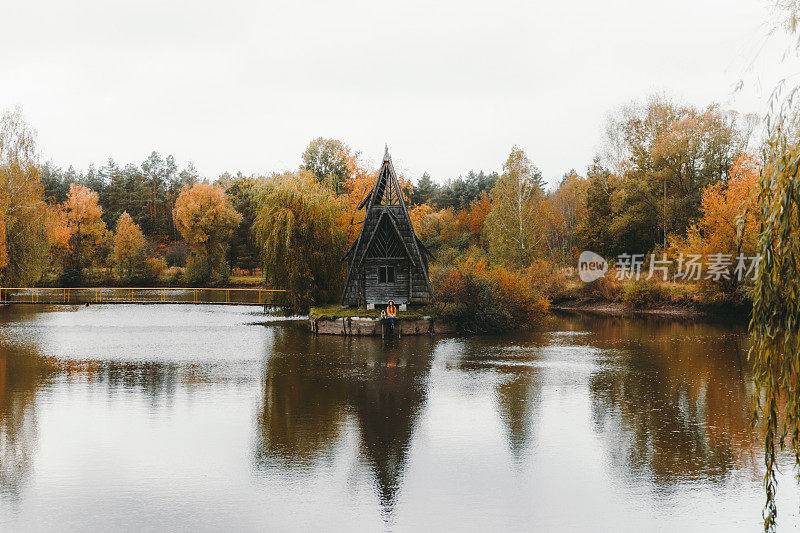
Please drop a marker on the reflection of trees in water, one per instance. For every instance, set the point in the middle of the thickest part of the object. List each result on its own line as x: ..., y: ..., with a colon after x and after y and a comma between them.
x: 313, y: 383
x: 21, y: 376
x: 517, y: 399
x: 678, y: 406
x: 304, y: 396
x: 508, y: 362
x: 158, y: 381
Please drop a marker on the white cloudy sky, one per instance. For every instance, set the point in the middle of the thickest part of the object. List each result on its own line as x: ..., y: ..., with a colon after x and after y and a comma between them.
x: 450, y: 86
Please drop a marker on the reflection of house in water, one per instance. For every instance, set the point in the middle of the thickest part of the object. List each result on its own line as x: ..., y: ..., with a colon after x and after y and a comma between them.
x: 387, y: 401
x: 313, y: 383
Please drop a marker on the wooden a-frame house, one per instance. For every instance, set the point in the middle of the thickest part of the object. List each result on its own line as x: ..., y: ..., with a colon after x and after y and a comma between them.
x: 387, y: 261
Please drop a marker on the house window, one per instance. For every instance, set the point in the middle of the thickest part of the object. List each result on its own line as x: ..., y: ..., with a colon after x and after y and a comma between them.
x: 386, y: 274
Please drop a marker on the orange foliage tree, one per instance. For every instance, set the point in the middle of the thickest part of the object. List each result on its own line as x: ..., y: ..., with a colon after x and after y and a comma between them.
x: 81, y: 231
x: 729, y: 222
x: 357, y: 186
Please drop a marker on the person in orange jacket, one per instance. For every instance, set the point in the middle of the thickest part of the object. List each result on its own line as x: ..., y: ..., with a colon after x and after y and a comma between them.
x: 391, y: 312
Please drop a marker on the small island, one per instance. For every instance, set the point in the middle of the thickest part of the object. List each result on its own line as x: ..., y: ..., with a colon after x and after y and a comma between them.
x: 386, y: 263
x: 340, y: 320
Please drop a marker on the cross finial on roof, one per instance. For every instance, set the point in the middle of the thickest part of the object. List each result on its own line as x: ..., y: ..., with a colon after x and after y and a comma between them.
x: 386, y: 153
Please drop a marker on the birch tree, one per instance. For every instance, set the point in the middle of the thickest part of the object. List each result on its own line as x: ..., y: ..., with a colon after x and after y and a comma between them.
x: 514, y: 226
x: 23, y: 228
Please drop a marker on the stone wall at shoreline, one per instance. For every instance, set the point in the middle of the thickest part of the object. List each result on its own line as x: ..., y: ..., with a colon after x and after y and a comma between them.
x: 377, y: 327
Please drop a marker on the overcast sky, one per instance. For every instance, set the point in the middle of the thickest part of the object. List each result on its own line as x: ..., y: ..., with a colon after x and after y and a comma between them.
x: 450, y: 86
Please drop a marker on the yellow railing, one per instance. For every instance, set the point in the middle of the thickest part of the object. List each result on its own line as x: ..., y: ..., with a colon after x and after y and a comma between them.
x: 96, y: 293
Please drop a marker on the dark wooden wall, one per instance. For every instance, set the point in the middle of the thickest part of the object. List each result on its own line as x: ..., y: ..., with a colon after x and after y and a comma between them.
x: 359, y: 290
x: 381, y: 293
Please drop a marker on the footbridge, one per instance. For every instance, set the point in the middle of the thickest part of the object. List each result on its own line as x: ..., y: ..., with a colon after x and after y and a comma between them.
x: 139, y: 295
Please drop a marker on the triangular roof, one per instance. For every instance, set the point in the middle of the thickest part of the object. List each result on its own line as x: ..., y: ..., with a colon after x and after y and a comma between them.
x: 387, y: 177
x: 387, y: 187
x: 388, y: 216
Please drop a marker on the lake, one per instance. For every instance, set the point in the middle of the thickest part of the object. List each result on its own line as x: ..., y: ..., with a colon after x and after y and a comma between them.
x: 198, y: 418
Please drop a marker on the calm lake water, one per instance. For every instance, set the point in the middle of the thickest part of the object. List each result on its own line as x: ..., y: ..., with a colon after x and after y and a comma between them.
x: 195, y: 418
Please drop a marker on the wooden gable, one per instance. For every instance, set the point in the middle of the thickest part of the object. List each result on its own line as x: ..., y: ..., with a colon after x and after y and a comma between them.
x: 387, y: 240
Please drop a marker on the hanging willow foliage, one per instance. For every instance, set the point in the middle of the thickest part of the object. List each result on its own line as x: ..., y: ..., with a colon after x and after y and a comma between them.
x: 775, y: 322
x: 299, y: 228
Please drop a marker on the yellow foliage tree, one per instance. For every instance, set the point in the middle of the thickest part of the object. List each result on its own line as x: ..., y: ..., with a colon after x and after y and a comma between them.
x: 129, y: 251
x: 206, y: 220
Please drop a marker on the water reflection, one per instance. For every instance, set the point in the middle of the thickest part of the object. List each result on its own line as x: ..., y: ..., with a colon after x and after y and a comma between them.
x: 674, y: 398
x: 314, y: 384
x: 201, y: 419
x: 21, y: 371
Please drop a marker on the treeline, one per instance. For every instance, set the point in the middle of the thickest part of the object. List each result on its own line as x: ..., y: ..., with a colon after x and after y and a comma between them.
x: 670, y: 178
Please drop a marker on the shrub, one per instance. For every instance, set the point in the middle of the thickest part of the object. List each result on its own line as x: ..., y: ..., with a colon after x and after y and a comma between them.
x: 173, y: 275
x: 718, y: 295
x: 177, y: 252
x: 477, y: 298
x: 643, y: 294
x: 605, y: 288
x: 198, y: 271
x: 547, y: 278
x: 153, y: 268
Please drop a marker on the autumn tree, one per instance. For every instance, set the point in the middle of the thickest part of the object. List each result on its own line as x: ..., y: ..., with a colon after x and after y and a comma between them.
x: 594, y: 232
x: 565, y: 213
x: 357, y: 187
x: 298, y: 227
x: 667, y: 154
x: 206, y: 220
x: 326, y: 160
x: 729, y: 222
x: 129, y: 249
x: 514, y: 227
x: 84, y: 229
x: 23, y: 227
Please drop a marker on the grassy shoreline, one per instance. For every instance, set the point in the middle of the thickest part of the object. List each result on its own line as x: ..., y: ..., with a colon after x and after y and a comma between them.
x: 335, y: 312
x: 651, y: 298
